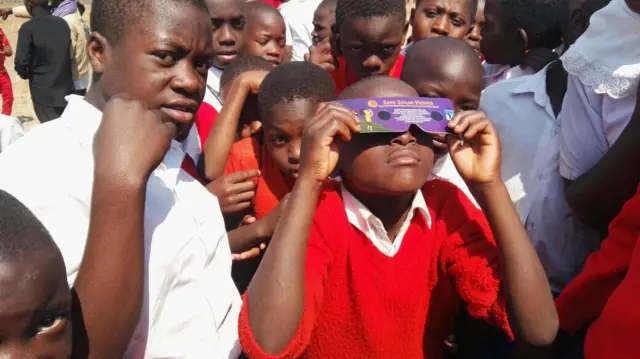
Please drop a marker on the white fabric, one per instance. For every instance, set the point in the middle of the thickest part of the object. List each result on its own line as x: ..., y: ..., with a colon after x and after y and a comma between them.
x: 521, y: 112
x: 82, y: 83
x: 298, y: 16
x: 496, y: 73
x: 212, y: 92
x: 10, y: 131
x: 191, y: 305
x: 591, y: 124
x: 365, y: 221
x: 445, y: 169
x: 607, y: 56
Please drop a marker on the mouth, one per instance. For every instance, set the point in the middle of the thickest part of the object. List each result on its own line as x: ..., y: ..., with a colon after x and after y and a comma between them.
x: 403, y: 157
x: 227, y: 56
x: 275, y: 62
x: 294, y: 171
x: 180, y: 113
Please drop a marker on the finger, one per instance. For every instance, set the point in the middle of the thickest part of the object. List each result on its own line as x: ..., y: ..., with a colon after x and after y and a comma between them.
x: 242, y: 176
x: 460, y: 125
x: 235, y: 208
x: 252, y: 253
x: 306, y: 56
x: 474, y: 129
x: 237, y: 188
x: 239, y: 198
x: 248, y: 219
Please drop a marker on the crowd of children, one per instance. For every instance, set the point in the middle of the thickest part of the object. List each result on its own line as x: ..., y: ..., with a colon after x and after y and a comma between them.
x: 210, y: 196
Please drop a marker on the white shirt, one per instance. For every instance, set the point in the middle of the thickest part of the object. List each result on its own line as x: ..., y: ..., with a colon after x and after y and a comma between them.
x: 191, y: 305
x: 496, y: 73
x: 365, y: 221
x: 445, y: 169
x: 10, y: 131
x: 530, y: 134
x: 298, y: 16
x: 212, y: 92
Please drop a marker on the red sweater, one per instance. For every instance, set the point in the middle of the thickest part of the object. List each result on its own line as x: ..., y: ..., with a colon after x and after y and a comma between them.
x: 363, y: 304
x: 343, y: 77
x: 607, y: 291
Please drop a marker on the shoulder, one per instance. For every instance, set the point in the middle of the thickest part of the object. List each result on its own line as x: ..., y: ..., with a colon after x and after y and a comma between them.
x: 447, y: 201
x: 330, y: 211
x: 244, y: 155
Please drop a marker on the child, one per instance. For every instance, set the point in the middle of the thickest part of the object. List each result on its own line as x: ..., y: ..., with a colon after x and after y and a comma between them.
x: 324, y: 18
x: 266, y: 33
x: 475, y: 33
x: 5, y: 80
x: 512, y: 29
x: 376, y: 266
x: 445, y: 67
x: 157, y: 53
x: 367, y: 40
x: 42, y: 57
x: 524, y: 111
x: 35, y: 305
x: 431, y: 18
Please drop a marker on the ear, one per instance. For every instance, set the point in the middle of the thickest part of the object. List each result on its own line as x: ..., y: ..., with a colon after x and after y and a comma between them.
x: 522, y: 40
x: 98, y: 49
x: 578, y: 21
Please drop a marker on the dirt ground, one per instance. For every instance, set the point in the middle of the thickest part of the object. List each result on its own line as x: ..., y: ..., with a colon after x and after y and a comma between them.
x: 22, y: 107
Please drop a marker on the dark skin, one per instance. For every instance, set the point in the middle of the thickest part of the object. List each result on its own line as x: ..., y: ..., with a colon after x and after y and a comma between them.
x: 432, y: 18
x: 228, y: 19
x: 477, y: 160
x: 323, y: 19
x: 265, y: 35
x: 475, y: 32
x: 35, y: 306
x: 498, y: 44
x: 370, y: 46
x: 148, y: 86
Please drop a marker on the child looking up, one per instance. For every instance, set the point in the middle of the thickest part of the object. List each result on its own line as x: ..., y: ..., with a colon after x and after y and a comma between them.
x: 157, y: 54
x: 367, y: 40
x: 35, y: 305
x: 512, y: 29
x: 376, y: 266
x: 266, y: 33
x: 432, y: 18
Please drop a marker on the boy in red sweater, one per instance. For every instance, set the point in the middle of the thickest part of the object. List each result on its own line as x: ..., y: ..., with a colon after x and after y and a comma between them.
x: 376, y: 266
x: 5, y: 80
x: 266, y: 32
x: 366, y: 40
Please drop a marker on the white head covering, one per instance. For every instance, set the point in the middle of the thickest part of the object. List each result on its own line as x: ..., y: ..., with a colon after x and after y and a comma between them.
x: 607, y: 56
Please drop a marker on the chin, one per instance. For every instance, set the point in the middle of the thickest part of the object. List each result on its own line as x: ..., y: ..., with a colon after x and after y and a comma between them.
x: 402, y: 183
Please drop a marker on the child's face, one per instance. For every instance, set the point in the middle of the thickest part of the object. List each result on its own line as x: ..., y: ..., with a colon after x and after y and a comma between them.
x: 228, y: 20
x: 433, y: 18
x: 386, y: 164
x: 35, y: 307
x: 266, y: 37
x: 474, y: 36
x: 283, y: 133
x: 371, y: 46
x: 323, y: 19
x: 163, y: 61
x: 498, y: 46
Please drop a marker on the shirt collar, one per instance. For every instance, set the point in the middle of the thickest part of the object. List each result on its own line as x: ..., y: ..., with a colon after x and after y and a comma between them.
x: 84, y: 119
x: 361, y: 217
x: 536, y: 84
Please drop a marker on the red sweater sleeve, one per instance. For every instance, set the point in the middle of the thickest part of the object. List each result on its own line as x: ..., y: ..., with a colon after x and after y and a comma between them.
x: 317, y: 263
x: 585, y: 297
x: 470, y: 257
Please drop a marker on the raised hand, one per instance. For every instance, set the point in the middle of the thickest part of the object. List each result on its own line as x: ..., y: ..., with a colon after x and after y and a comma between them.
x: 236, y: 191
x: 322, y: 55
x: 474, y: 147
x: 131, y: 140
x: 252, y: 80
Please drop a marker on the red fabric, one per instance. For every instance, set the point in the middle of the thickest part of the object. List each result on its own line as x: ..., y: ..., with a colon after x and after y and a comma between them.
x: 189, y: 166
x: 274, y: 3
x: 248, y: 154
x: 360, y: 303
x: 205, y: 118
x: 4, y: 46
x: 7, y: 93
x: 607, y: 291
x: 344, y: 78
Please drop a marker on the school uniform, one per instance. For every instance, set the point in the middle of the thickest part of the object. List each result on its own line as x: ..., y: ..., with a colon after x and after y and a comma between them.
x: 521, y: 112
x: 298, y: 15
x: 209, y: 109
x: 6, y: 90
x: 605, y: 294
x: 191, y: 305
x: 343, y: 77
x: 369, y: 297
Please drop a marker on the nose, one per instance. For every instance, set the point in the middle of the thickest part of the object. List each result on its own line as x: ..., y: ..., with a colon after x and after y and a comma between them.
x: 274, y: 51
x: 225, y: 36
x: 373, y: 63
x: 474, y: 35
x: 404, y: 139
x: 294, y: 151
x: 441, y: 26
x: 187, y: 81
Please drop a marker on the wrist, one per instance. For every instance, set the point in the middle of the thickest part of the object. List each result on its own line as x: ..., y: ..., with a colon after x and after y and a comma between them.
x: 125, y: 182
x: 487, y: 189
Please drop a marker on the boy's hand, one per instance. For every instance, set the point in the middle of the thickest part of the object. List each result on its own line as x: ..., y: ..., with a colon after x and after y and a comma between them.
x: 131, y: 140
x: 252, y: 80
x: 322, y: 56
x: 236, y: 191
x: 319, y: 153
x: 477, y: 155
x: 253, y: 252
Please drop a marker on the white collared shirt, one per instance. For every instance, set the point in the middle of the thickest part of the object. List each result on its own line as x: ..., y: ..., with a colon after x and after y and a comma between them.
x: 298, y: 15
x: 191, y: 305
x: 521, y: 111
x: 446, y: 170
x: 365, y: 221
x: 212, y: 92
x: 496, y: 73
x: 11, y: 130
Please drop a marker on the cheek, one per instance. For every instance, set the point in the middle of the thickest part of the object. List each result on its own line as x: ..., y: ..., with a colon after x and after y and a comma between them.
x: 280, y: 155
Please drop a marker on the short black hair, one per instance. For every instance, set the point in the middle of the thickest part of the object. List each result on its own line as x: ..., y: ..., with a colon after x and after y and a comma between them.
x: 422, y: 54
x: 259, y: 8
x: 41, y: 3
x: 112, y: 18
x: 540, y: 19
x: 243, y: 64
x: 295, y: 81
x: 20, y: 231
x: 359, y: 9
x: 474, y: 6
x: 329, y: 4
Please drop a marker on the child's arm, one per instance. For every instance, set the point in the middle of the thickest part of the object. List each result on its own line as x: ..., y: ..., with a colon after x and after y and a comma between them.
x: 223, y: 132
x: 276, y: 296
x: 110, y: 281
x: 6, y: 46
x: 477, y: 158
x: 23, y: 53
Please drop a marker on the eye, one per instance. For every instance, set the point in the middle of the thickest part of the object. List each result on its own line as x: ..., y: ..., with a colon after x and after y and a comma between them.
x: 203, y: 66
x: 457, y: 22
x: 389, y: 48
x: 51, y: 323
x: 278, y: 140
x: 431, y: 14
x: 238, y: 23
x: 355, y: 48
x: 166, y: 58
x: 217, y: 23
